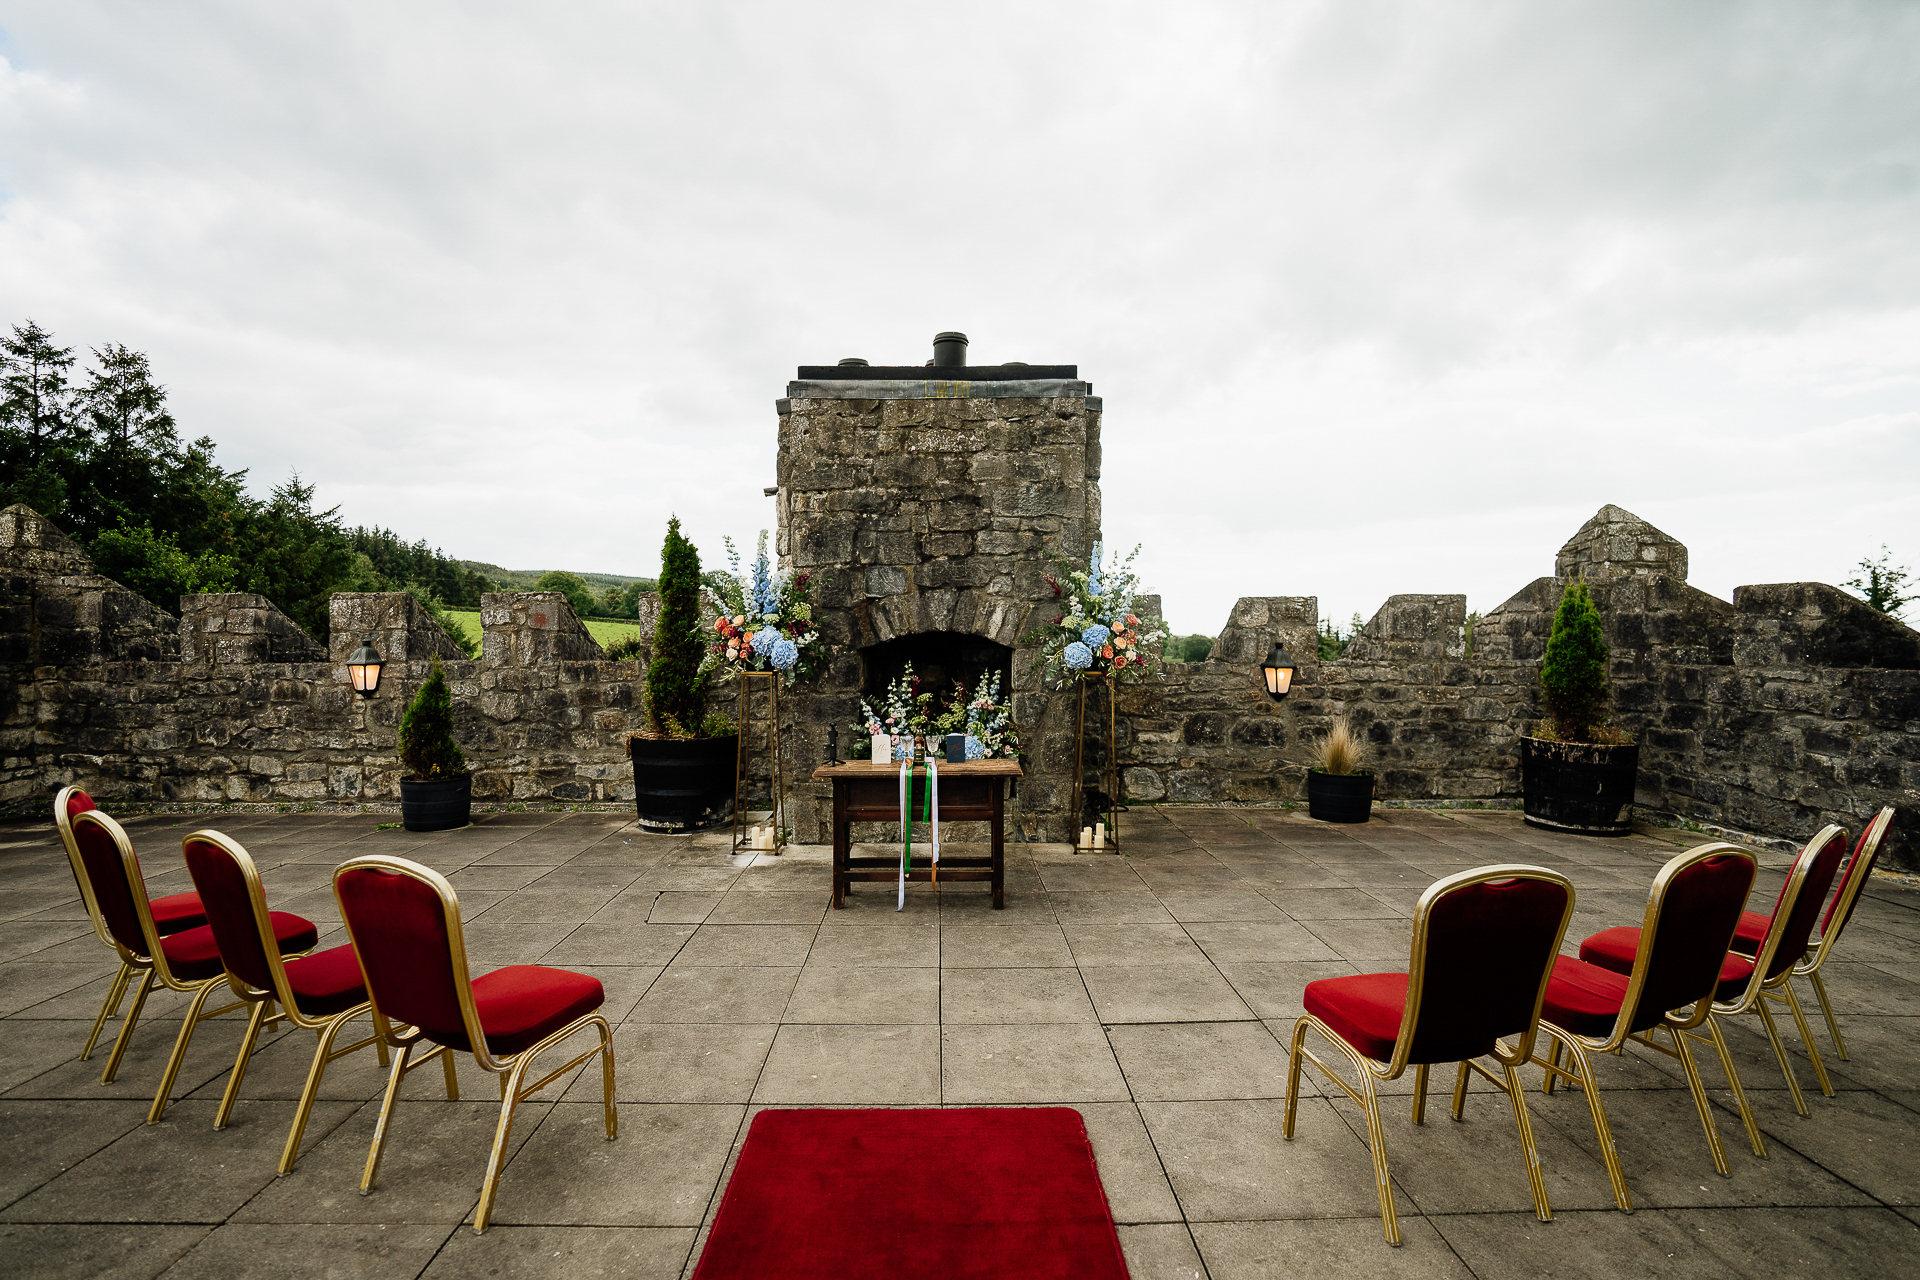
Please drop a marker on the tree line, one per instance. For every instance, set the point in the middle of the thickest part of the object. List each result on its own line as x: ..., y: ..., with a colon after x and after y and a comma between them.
x: 97, y: 452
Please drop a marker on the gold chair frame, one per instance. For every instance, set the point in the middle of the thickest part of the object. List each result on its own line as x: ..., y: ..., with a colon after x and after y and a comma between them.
x: 117, y: 991
x: 1857, y: 872
x: 153, y: 967
x: 511, y: 1068
x: 1760, y: 989
x: 1371, y: 1072
x: 280, y: 994
x: 1678, y: 1024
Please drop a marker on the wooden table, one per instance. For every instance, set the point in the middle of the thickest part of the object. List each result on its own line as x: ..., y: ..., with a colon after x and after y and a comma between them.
x: 864, y: 791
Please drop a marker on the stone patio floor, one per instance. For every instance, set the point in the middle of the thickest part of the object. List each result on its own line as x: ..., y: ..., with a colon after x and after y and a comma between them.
x: 1154, y: 992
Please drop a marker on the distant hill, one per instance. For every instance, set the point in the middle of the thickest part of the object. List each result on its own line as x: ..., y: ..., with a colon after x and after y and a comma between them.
x: 524, y: 579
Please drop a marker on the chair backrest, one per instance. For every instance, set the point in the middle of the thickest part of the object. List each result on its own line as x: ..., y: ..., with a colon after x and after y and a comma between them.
x: 113, y: 876
x: 71, y: 801
x: 1793, y: 916
x: 1692, y: 911
x: 236, y: 906
x: 1853, y: 881
x: 1483, y: 946
x: 404, y: 922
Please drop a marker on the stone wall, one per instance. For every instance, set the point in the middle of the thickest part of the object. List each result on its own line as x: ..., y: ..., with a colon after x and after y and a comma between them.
x: 1789, y: 706
x: 920, y: 508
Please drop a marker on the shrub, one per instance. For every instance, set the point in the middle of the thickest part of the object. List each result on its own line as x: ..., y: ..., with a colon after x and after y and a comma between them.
x: 573, y: 587
x: 1573, y: 675
x: 1341, y: 750
x: 428, y: 752
x: 626, y: 648
x: 676, y: 686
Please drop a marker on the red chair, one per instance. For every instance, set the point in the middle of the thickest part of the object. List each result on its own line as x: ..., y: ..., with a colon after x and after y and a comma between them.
x: 188, y: 961
x: 1752, y: 933
x: 1749, y: 984
x: 404, y: 920
x: 172, y: 914
x: 1680, y: 961
x: 1483, y: 944
x: 320, y: 992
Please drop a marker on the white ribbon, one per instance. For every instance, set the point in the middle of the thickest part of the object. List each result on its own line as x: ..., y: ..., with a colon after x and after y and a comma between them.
x: 906, y: 819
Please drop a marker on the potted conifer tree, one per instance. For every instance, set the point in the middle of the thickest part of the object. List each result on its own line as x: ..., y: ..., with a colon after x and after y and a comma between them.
x: 1340, y: 788
x: 436, y: 790
x: 1577, y: 772
x: 683, y: 760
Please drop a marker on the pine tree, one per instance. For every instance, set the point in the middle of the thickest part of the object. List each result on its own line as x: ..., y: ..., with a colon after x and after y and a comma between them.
x: 428, y: 752
x: 1573, y: 675
x: 676, y: 689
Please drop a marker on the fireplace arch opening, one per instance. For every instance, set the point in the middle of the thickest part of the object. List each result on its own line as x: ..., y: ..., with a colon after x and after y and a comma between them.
x: 947, y: 662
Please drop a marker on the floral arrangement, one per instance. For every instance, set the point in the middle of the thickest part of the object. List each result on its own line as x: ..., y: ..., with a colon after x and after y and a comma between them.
x: 766, y: 623
x: 1097, y: 633
x: 983, y: 715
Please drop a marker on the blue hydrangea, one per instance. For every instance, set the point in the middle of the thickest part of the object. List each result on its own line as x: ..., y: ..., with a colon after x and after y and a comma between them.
x: 1077, y: 656
x: 975, y: 751
x: 764, y: 640
x: 1095, y: 636
x: 785, y: 654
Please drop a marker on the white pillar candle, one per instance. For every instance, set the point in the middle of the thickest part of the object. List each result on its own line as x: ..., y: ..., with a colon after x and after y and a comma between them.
x: 1099, y: 835
x: 1086, y: 837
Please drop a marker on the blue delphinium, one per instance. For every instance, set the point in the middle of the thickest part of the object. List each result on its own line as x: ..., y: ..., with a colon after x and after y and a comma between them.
x: 765, y: 599
x: 1093, y: 572
x: 1077, y: 656
x: 785, y: 653
x: 1095, y: 636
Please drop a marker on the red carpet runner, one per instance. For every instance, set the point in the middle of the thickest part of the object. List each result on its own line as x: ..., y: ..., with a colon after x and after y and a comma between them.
x: 926, y: 1195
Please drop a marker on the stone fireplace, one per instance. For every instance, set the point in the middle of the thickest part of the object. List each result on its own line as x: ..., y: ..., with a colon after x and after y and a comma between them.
x: 925, y: 501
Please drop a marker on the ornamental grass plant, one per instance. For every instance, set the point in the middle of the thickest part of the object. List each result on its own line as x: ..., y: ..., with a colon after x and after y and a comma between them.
x: 1341, y: 750
x: 428, y: 752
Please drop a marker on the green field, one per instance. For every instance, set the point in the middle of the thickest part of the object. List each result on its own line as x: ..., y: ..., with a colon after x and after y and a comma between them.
x: 604, y: 630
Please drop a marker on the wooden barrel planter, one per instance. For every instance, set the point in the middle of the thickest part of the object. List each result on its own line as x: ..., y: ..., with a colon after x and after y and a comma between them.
x: 1582, y: 788
x: 1339, y: 797
x: 682, y: 784
x: 438, y: 805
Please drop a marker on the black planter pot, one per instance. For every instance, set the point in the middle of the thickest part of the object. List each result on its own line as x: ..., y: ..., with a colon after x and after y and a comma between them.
x: 436, y: 806
x: 1579, y: 787
x: 682, y: 784
x: 1339, y: 797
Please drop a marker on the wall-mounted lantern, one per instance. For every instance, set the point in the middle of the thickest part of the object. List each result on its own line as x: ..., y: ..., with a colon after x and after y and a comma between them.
x: 363, y: 668
x: 1278, y: 669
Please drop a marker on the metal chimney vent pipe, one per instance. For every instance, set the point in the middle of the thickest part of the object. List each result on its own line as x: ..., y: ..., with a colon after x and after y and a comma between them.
x: 950, y: 350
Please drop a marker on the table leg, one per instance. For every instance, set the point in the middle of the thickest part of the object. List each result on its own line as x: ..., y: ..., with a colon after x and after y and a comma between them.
x: 999, y: 848
x: 842, y: 844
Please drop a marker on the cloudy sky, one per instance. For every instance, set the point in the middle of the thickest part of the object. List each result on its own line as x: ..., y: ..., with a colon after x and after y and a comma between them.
x: 1381, y: 297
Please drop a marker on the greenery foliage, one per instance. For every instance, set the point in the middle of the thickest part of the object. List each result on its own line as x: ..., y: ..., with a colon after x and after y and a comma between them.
x: 676, y: 683
x: 577, y: 592
x: 100, y: 456
x: 626, y: 648
x: 1188, y: 648
x: 1883, y: 585
x: 1573, y: 674
x: 428, y: 752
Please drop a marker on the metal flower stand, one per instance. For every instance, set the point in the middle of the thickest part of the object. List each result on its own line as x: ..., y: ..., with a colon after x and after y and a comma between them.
x: 1108, y: 766
x: 761, y: 830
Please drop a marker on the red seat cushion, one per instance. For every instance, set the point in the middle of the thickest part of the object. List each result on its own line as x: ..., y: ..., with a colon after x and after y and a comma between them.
x: 1615, y: 948
x: 1364, y: 1010
x: 177, y: 912
x: 522, y: 1004
x: 1751, y: 932
x: 194, y: 956
x: 327, y: 982
x: 1583, y: 998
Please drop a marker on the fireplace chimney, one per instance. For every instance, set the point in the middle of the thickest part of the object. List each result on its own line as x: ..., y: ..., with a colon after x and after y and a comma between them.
x: 949, y: 350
